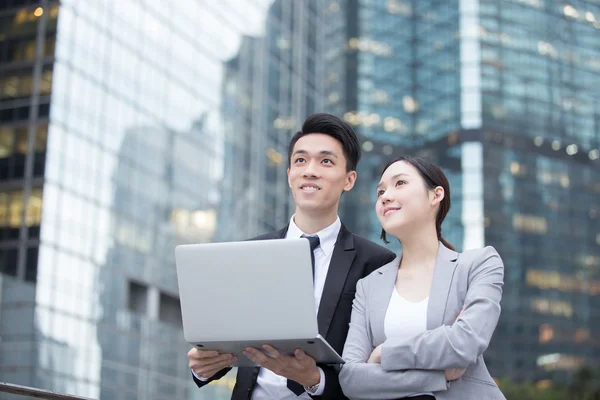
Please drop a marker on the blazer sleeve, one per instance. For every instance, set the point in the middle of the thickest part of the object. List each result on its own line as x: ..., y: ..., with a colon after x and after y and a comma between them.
x: 361, y: 380
x: 217, y: 376
x: 458, y: 345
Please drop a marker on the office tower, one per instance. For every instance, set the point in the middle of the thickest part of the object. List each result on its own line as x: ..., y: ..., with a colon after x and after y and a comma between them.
x: 270, y: 86
x: 504, y: 96
x: 128, y: 128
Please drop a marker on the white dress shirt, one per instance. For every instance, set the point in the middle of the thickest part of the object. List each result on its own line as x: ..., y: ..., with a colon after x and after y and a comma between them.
x: 270, y: 386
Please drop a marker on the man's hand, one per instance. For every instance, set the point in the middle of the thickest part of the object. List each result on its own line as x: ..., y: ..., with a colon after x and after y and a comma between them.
x: 300, y: 367
x: 375, y: 357
x: 454, y: 374
x: 206, y: 363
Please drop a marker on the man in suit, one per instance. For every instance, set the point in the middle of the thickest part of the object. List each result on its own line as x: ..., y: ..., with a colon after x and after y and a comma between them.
x: 322, y: 165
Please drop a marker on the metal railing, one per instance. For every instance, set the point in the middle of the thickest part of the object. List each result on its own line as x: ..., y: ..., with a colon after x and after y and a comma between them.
x: 37, y: 393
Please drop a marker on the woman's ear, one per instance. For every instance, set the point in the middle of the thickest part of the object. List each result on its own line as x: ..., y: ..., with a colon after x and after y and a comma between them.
x: 438, y: 195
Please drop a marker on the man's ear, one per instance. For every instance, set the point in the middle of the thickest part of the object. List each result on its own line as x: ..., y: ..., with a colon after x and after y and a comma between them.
x: 288, y: 174
x: 350, y: 181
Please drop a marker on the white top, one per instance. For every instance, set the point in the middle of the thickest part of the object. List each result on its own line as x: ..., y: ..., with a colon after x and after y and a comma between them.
x: 274, y: 387
x: 405, y: 319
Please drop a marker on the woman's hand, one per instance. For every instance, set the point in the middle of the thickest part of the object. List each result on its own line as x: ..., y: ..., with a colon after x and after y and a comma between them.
x: 375, y: 357
x: 454, y: 374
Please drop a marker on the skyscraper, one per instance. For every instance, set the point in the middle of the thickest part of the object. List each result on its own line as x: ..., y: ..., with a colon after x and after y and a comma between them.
x: 128, y: 128
x: 270, y: 86
x: 504, y: 96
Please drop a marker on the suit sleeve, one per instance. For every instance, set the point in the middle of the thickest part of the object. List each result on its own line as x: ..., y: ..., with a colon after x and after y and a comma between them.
x: 217, y: 376
x: 458, y: 345
x: 332, y: 381
x: 361, y: 380
x: 332, y: 386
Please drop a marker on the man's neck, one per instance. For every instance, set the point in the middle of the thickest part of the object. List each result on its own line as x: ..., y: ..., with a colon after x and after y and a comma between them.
x: 311, y: 223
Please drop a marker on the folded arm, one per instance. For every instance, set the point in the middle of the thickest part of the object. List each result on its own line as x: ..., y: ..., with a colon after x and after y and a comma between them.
x: 359, y: 379
x: 459, y: 345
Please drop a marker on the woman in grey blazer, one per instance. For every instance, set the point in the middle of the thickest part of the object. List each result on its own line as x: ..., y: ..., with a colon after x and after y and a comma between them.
x: 421, y: 323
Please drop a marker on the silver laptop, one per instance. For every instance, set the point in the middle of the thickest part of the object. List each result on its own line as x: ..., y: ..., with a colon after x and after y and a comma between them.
x: 239, y: 294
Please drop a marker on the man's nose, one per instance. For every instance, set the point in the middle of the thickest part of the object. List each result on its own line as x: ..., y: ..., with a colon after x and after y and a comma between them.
x: 310, y: 170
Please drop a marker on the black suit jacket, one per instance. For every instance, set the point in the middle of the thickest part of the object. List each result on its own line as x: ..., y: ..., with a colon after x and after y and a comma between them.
x: 353, y: 258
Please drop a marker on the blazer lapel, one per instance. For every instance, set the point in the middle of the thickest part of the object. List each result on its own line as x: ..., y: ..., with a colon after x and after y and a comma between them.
x: 442, y: 279
x: 280, y: 234
x: 379, y: 299
x: 339, y: 267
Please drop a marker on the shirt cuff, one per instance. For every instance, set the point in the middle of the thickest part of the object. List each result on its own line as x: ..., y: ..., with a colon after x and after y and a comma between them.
x: 200, y: 378
x: 321, y: 387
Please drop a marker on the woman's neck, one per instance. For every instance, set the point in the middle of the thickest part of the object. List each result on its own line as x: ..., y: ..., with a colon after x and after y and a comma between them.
x: 419, y: 249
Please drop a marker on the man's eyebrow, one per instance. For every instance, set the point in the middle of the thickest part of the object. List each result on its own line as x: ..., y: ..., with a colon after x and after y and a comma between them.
x: 328, y: 153
x: 322, y: 152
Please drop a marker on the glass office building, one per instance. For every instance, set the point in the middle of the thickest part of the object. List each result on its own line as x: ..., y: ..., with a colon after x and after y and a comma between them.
x: 128, y: 128
x: 504, y: 96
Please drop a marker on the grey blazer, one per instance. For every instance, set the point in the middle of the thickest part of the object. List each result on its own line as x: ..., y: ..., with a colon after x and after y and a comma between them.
x: 473, y: 279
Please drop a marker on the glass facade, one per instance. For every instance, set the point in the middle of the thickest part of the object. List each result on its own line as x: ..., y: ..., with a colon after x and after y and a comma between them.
x: 128, y: 128
x: 395, y: 81
x: 270, y: 85
x: 540, y: 124
x: 503, y: 95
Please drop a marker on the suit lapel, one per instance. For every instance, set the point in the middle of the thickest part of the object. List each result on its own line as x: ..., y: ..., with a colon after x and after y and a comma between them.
x: 280, y: 234
x: 379, y: 299
x: 339, y: 267
x: 445, y: 266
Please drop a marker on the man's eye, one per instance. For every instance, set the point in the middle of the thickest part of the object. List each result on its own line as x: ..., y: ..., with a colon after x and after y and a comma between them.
x: 299, y: 160
x: 327, y: 161
x: 380, y: 193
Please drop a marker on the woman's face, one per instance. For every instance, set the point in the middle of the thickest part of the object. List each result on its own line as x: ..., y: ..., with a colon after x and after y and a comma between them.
x: 403, y: 200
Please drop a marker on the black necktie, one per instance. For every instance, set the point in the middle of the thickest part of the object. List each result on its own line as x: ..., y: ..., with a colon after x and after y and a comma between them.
x: 314, y: 243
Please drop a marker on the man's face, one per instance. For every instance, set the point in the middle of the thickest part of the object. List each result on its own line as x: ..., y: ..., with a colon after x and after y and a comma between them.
x: 317, y: 173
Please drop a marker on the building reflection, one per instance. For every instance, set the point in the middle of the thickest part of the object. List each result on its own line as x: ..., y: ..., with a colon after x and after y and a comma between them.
x: 510, y: 112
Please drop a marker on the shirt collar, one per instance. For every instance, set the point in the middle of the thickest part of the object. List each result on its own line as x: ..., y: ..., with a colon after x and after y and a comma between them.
x: 327, y: 236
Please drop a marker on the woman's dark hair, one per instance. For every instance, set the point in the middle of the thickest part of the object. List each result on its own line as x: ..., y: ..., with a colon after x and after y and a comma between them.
x: 330, y: 125
x: 433, y: 177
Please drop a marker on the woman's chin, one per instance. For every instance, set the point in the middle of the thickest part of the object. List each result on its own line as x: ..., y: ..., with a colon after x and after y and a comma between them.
x: 393, y: 228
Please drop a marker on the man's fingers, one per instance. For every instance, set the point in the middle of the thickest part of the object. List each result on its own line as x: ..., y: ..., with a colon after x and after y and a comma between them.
x: 195, y: 353
x: 300, y: 354
x: 209, y: 371
x: 256, y: 355
x: 272, y: 351
x: 207, y: 362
